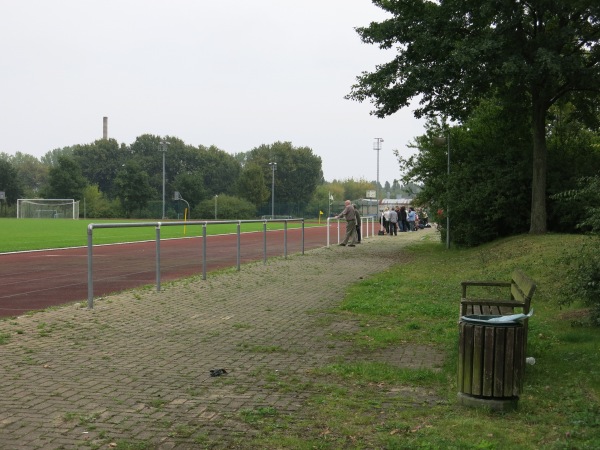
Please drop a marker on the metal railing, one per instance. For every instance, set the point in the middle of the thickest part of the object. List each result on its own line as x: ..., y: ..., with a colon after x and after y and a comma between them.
x: 364, y: 229
x: 204, y: 224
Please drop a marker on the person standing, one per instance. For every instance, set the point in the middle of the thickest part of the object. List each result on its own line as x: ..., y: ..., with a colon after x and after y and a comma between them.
x: 358, y: 223
x: 400, y: 224
x: 386, y: 220
x: 403, y: 218
x: 412, y: 217
x: 393, y: 222
x: 349, y: 214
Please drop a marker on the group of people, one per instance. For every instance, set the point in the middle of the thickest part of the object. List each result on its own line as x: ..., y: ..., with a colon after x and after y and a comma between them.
x: 400, y: 219
x: 392, y: 220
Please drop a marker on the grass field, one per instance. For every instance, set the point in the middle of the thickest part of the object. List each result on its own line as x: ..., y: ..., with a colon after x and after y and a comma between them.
x: 35, y: 234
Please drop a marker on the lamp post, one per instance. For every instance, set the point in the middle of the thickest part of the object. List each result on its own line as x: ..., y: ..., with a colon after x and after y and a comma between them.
x: 377, y: 147
x: 441, y: 141
x: 447, y: 206
x: 274, y: 167
x: 163, y: 148
x: 216, y: 197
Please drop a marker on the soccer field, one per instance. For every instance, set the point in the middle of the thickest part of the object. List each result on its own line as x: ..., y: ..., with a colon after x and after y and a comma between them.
x: 36, y: 234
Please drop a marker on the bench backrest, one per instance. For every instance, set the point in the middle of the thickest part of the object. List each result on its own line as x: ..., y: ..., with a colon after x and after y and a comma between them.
x: 522, y: 289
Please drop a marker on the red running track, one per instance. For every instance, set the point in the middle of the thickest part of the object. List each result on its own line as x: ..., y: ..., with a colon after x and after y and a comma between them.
x: 36, y: 280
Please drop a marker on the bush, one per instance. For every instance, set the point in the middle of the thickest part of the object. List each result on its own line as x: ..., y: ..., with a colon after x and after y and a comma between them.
x: 227, y: 208
x: 583, y: 277
x: 583, y: 264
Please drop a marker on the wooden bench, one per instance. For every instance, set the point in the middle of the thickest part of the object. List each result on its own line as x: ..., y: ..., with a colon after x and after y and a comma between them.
x: 520, y: 290
x: 492, y: 356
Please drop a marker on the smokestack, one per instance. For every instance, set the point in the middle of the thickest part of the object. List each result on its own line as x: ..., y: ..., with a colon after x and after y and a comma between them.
x: 105, y: 128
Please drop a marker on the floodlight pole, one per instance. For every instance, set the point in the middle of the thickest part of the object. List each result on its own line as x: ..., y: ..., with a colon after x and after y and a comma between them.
x: 216, y: 197
x: 439, y: 141
x: 274, y: 167
x: 448, y: 207
x: 377, y: 147
x: 163, y: 148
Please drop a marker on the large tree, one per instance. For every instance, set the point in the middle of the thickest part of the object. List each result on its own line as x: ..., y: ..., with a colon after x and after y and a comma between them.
x: 32, y: 173
x: 65, y: 180
x: 10, y: 183
x: 251, y: 185
x: 100, y: 162
x: 452, y: 53
x: 297, y: 174
x: 133, y: 187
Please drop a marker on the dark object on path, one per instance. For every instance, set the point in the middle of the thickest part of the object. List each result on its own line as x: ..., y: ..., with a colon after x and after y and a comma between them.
x: 217, y: 372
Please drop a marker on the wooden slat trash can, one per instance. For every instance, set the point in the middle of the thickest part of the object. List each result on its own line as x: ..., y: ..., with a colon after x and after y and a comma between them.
x: 491, y: 363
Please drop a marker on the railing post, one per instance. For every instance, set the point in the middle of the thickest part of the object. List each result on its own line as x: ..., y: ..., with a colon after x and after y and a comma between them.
x: 239, y: 247
x: 265, y: 242
x: 303, y: 236
x: 90, y: 273
x: 204, y: 251
x: 158, y: 257
x: 285, y: 239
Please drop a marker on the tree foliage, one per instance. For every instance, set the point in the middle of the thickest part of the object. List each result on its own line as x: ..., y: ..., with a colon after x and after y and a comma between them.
x: 133, y: 174
x: 191, y: 187
x: 133, y: 187
x: 100, y: 162
x: 453, y: 54
x: 33, y: 174
x: 484, y: 189
x: 65, y: 180
x: 298, y: 173
x: 582, y: 265
x: 9, y: 181
x: 481, y: 185
x: 252, y: 184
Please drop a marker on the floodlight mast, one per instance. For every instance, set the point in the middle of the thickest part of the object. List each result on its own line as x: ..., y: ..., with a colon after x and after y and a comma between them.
x: 377, y: 147
x: 163, y: 148
x: 274, y: 166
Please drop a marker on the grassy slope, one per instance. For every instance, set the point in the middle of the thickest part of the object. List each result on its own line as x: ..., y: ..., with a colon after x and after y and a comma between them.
x: 560, y: 404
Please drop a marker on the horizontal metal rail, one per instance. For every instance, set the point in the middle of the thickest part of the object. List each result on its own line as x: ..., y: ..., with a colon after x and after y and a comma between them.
x: 363, y: 220
x: 203, y: 224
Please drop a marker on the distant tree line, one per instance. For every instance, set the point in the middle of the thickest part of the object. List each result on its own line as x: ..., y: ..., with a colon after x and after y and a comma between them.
x: 113, y: 180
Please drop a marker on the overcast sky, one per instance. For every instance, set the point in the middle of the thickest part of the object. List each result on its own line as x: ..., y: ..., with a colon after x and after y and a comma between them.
x: 234, y: 74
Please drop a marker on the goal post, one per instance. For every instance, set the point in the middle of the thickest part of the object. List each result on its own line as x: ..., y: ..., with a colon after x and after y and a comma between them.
x: 47, y: 208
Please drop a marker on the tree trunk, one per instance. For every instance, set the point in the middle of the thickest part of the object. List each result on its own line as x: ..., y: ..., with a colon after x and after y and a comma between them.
x: 538, y: 184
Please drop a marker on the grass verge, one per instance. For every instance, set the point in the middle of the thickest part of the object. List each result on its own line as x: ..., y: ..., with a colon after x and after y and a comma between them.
x: 369, y: 404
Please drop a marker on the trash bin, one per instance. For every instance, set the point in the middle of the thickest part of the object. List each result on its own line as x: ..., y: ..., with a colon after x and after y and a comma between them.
x: 491, y: 361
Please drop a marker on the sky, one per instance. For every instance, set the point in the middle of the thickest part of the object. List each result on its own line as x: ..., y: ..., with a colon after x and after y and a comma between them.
x: 233, y: 74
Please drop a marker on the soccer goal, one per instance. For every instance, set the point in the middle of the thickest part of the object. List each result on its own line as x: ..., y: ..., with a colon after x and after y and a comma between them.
x: 47, y: 208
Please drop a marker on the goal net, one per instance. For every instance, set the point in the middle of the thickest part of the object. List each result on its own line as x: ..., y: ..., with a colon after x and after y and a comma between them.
x: 47, y: 208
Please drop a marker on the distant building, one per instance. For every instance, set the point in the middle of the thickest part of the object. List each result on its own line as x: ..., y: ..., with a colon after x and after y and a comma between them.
x: 393, y: 202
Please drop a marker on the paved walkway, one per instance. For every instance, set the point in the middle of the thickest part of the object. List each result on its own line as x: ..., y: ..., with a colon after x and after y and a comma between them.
x: 137, y: 367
